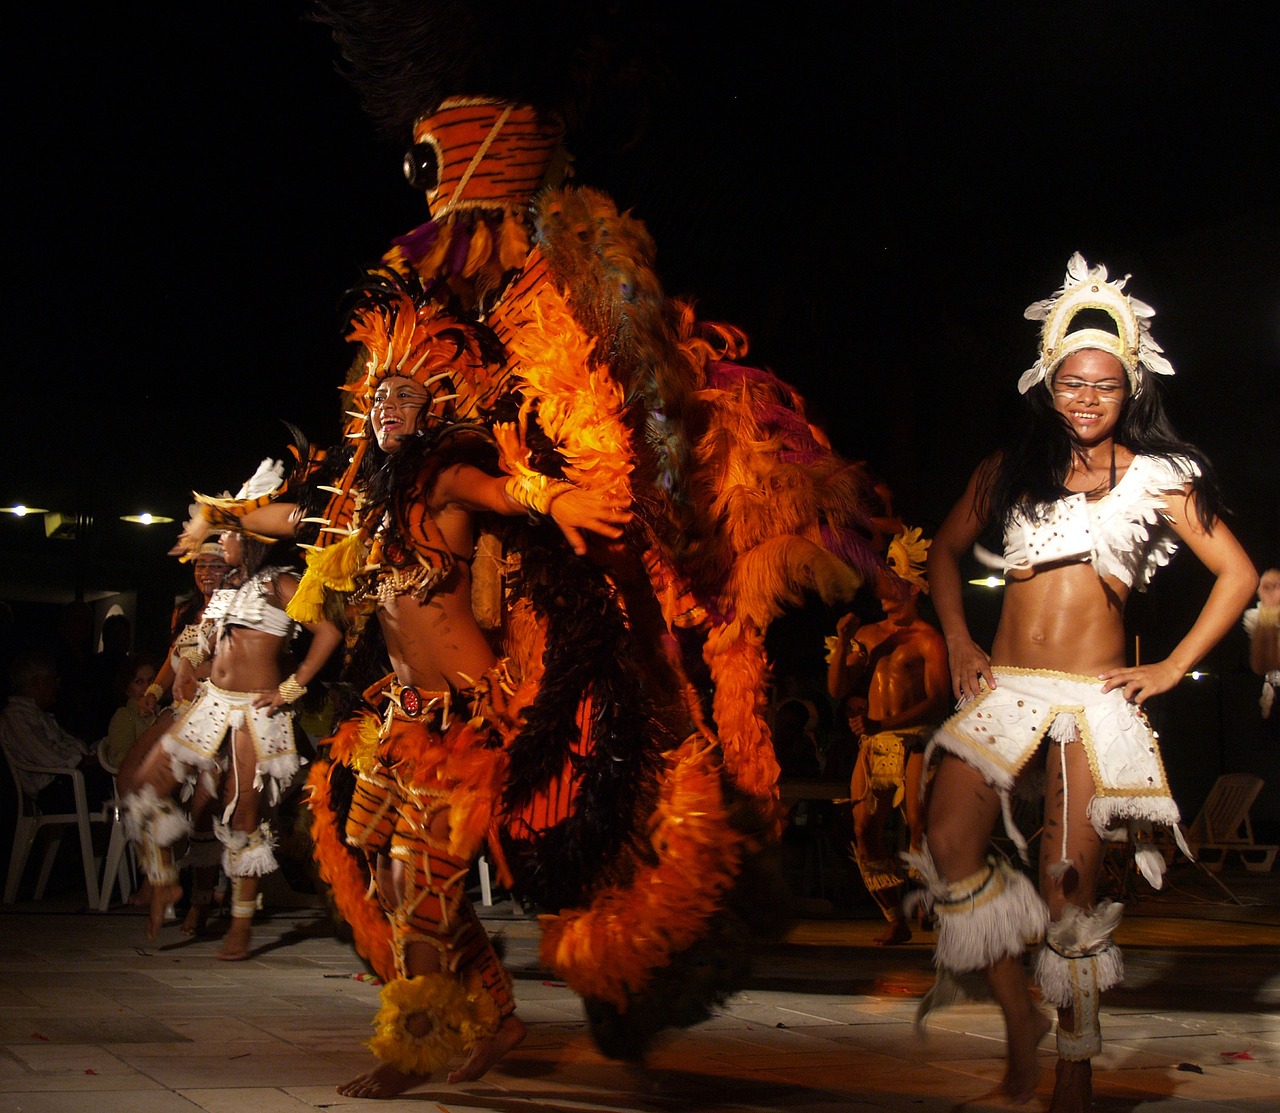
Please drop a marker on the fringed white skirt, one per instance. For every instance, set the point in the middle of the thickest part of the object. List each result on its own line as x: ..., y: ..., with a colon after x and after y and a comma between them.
x: 999, y: 731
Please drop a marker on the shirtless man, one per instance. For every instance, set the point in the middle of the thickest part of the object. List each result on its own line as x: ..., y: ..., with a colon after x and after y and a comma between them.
x: 451, y: 994
x: 903, y: 660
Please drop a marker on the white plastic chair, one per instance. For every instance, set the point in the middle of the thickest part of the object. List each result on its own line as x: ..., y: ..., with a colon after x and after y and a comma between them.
x: 30, y: 821
x: 1223, y: 825
x: 119, y: 868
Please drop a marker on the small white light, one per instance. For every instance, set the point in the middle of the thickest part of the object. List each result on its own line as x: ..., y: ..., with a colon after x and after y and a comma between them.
x: 21, y: 511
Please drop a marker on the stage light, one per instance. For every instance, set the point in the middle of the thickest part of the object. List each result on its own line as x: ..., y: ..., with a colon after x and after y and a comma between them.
x: 988, y: 581
x: 145, y: 519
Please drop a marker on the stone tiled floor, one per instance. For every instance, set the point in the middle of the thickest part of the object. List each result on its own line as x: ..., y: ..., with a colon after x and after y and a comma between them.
x: 92, y: 1017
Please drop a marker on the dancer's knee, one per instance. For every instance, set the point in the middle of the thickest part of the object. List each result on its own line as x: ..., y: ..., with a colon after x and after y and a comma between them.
x: 956, y: 852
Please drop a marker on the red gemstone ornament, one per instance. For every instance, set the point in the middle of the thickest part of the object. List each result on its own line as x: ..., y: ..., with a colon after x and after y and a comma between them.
x: 410, y: 701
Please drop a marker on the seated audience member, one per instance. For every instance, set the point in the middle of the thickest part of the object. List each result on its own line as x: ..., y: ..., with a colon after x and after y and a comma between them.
x: 30, y: 734
x: 135, y: 710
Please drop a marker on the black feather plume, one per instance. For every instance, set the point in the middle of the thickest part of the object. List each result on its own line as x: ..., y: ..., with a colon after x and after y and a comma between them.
x: 590, y: 62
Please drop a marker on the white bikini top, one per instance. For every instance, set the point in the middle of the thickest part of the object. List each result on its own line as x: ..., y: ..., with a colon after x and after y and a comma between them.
x: 249, y: 607
x: 1124, y: 534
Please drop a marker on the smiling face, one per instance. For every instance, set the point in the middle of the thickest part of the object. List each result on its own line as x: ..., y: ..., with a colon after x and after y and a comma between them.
x: 396, y: 410
x: 209, y: 573
x: 1089, y: 391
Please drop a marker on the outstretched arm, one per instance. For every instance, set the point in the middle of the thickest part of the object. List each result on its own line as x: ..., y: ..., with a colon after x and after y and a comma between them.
x: 1235, y: 581
x: 574, y: 509
x: 275, y: 519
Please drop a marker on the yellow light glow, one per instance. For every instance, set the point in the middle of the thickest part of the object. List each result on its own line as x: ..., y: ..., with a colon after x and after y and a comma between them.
x: 988, y: 581
x: 145, y: 519
x: 22, y: 511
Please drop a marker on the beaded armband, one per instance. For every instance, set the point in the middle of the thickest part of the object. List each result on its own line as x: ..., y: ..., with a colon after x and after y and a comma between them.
x: 291, y: 689
x: 194, y: 656
x: 535, y: 491
x: 154, y: 691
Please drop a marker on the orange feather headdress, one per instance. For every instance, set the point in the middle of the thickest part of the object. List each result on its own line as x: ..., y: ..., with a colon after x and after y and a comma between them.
x: 459, y: 363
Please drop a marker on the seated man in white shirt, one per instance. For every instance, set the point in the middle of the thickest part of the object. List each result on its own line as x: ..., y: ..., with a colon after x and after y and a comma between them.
x: 30, y: 734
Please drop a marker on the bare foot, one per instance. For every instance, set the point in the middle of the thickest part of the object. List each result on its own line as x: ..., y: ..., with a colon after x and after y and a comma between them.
x: 899, y: 932
x: 485, y: 1053
x: 235, y: 944
x: 193, y: 923
x: 1023, y: 1071
x: 383, y: 1081
x: 141, y: 897
x: 1072, y: 1087
x: 162, y: 896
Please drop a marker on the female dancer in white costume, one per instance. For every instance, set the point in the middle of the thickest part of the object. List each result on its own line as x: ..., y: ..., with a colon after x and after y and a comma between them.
x: 235, y: 739
x: 1094, y: 496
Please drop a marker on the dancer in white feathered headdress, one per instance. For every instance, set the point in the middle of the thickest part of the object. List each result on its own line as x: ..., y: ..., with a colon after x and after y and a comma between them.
x: 234, y: 742
x: 1093, y: 494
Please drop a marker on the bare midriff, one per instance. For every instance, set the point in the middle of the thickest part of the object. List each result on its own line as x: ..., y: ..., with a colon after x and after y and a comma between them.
x: 436, y: 644
x: 1066, y: 618
x: 248, y: 660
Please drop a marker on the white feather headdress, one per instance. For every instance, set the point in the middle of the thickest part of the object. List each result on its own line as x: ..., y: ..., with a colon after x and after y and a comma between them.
x: 265, y: 481
x: 1087, y: 287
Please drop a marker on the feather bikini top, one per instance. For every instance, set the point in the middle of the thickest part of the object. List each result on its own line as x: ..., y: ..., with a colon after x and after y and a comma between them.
x: 1123, y: 534
x: 249, y: 606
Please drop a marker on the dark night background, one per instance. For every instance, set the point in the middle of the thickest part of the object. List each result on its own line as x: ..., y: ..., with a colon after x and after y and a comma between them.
x: 874, y: 195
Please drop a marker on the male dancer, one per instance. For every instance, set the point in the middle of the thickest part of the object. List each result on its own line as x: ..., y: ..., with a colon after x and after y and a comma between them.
x: 903, y: 660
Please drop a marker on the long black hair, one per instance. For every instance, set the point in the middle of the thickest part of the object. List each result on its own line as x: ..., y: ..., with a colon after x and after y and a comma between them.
x: 1030, y: 473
